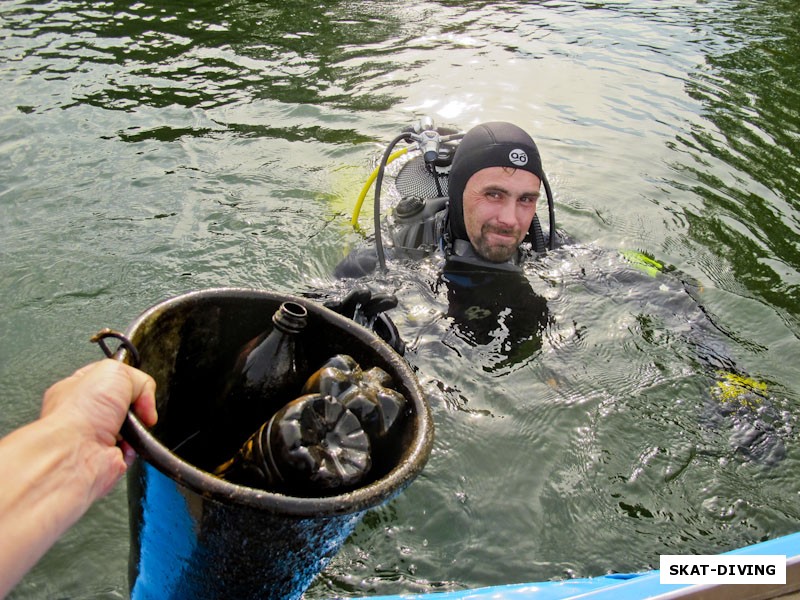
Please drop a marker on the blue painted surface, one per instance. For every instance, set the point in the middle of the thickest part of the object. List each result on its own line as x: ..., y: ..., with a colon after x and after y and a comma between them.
x: 187, y: 546
x: 631, y: 586
x: 168, y: 518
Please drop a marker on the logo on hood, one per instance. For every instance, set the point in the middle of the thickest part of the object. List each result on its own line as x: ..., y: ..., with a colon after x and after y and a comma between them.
x: 518, y: 157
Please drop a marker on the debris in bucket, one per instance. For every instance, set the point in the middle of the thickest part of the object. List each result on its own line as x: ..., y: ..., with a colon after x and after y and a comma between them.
x: 327, y: 439
x: 268, y: 371
x: 378, y: 407
x: 312, y: 443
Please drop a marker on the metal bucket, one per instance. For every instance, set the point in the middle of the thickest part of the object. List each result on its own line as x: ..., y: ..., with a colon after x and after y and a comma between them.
x: 196, y: 536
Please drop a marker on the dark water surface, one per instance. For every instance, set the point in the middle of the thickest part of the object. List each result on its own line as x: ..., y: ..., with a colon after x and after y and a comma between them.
x: 148, y: 149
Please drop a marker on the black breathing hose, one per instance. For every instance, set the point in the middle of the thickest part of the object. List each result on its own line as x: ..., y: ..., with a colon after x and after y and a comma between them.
x: 551, y: 211
x: 376, y: 209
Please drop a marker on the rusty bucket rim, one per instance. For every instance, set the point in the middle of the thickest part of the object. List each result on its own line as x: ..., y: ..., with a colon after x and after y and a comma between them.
x: 152, y: 451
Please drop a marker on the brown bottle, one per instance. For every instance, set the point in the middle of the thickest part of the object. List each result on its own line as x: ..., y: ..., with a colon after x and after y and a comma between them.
x: 310, y: 446
x: 269, y: 372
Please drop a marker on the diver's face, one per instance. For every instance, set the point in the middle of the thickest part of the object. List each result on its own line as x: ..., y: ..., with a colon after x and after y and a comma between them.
x: 499, y: 205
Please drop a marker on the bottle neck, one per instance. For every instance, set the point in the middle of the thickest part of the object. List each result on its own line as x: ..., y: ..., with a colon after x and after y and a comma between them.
x: 291, y: 317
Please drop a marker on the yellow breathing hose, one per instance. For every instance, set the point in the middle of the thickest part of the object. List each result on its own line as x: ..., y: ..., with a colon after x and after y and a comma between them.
x: 368, y: 184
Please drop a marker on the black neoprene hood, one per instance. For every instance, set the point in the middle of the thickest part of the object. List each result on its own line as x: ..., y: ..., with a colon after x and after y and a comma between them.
x: 496, y: 144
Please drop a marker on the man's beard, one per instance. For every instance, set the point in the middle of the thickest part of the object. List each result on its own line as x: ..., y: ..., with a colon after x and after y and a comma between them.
x: 497, y: 252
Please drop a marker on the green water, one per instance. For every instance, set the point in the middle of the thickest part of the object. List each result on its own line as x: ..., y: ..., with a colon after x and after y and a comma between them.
x: 148, y: 149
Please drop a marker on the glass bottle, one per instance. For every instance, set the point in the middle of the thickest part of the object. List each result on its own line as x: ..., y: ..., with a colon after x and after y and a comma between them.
x: 313, y: 444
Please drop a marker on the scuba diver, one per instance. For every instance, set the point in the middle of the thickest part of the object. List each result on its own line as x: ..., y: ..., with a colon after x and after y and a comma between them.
x: 476, y: 203
x: 480, y: 209
x: 472, y: 199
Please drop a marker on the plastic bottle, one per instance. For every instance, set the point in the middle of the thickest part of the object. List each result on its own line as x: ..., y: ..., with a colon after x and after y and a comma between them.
x: 268, y: 373
x: 313, y: 444
x: 379, y: 408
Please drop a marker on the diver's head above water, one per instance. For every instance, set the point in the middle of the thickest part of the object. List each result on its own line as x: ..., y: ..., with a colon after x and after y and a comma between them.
x: 494, y: 185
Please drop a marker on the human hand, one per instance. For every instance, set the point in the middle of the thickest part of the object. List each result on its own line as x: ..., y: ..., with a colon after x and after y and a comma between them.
x: 367, y: 308
x: 362, y: 304
x: 89, y: 408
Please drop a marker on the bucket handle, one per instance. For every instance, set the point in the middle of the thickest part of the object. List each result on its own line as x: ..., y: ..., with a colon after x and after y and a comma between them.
x: 100, y: 339
x: 128, y: 431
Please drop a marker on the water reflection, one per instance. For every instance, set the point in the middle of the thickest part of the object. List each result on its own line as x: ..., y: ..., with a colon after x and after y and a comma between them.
x: 123, y: 55
x: 173, y: 146
x: 744, y: 156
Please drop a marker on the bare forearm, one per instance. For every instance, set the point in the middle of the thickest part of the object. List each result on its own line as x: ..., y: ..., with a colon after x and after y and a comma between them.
x: 53, y: 469
x: 46, y: 487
